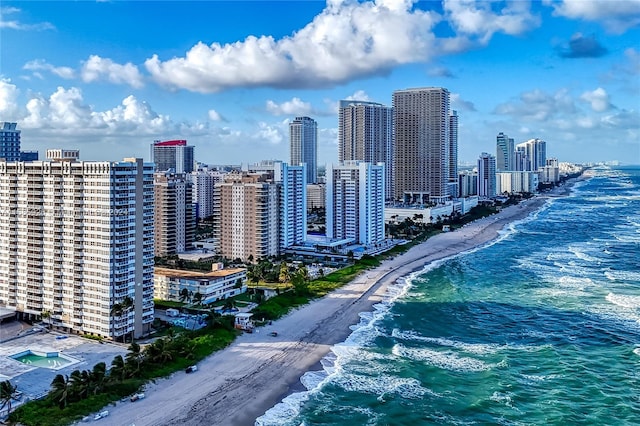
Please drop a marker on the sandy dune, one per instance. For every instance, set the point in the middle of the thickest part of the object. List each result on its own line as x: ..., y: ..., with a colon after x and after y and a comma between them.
x: 238, y: 384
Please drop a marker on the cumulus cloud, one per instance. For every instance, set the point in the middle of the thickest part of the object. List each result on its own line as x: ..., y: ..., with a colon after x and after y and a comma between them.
x: 616, y: 16
x: 215, y: 115
x: 347, y: 40
x: 8, y: 100
x: 96, y: 68
x: 293, y: 107
x: 598, y: 99
x: 460, y: 104
x: 581, y: 46
x: 21, y: 26
x: 482, y: 19
x: 537, y: 105
x: 359, y: 95
x: 42, y: 65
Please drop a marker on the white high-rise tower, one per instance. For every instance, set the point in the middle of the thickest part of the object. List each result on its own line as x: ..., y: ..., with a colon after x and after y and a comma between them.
x: 303, y: 137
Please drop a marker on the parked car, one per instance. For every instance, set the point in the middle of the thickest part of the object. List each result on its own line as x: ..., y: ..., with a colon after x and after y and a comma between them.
x: 191, y: 369
x: 101, y: 415
x: 137, y: 396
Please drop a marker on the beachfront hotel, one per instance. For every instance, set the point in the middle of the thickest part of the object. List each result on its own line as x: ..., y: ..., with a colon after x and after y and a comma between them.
x: 303, y: 144
x: 365, y: 133
x: 204, y: 181
x: 533, y: 154
x: 486, y: 176
x: 175, y: 216
x: 423, y: 145
x: 174, y: 155
x: 505, y: 152
x: 355, y: 202
x: 78, y: 238
x: 516, y: 182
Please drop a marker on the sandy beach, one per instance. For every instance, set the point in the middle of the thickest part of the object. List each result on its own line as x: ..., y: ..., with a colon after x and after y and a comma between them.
x: 238, y: 384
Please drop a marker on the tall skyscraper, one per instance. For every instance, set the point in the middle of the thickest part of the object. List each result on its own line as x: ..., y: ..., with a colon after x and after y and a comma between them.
x: 536, y: 153
x: 175, y: 156
x: 453, y: 153
x: 505, y: 153
x: 303, y: 138
x: 422, y: 151
x: 77, y: 239
x: 9, y: 141
x: 365, y: 133
x: 204, y: 182
x: 355, y: 201
x: 175, y: 216
x: 486, y: 176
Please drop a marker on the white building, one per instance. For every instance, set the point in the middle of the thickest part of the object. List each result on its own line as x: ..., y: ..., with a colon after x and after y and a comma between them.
x: 550, y: 173
x: 535, y: 151
x: 486, y: 176
x: 216, y: 285
x: 204, y: 181
x: 316, y: 195
x: 77, y: 238
x: 303, y: 139
x: 292, y: 184
x: 516, y: 182
x: 355, y: 202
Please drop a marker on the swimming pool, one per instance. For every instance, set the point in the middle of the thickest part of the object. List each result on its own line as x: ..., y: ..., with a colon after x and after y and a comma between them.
x: 50, y: 360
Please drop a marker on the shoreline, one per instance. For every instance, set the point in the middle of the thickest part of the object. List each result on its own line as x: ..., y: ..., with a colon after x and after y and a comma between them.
x: 240, y: 383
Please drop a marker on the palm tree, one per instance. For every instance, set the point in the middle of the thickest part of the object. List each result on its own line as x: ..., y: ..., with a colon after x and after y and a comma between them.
x: 80, y: 383
x: 184, y: 295
x: 197, y: 298
x: 285, y: 275
x: 127, y: 306
x: 134, y: 359
x: 60, y: 390
x: 159, y: 351
x: 118, y: 369
x: 98, y: 375
x: 46, y: 315
x: 8, y: 393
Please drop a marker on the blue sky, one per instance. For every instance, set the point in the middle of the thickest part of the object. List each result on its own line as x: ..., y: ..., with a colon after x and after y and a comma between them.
x: 109, y: 77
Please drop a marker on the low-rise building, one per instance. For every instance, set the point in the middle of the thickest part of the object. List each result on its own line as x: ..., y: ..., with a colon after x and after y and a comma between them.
x: 215, y: 285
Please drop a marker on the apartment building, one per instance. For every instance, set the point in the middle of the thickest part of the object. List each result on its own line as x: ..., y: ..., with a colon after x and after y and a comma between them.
x: 175, y: 220
x: 212, y: 286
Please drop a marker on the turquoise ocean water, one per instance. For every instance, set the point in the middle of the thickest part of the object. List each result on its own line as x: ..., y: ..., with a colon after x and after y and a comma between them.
x: 540, y: 327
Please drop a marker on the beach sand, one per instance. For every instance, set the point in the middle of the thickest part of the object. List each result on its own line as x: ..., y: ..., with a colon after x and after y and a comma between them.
x: 238, y: 384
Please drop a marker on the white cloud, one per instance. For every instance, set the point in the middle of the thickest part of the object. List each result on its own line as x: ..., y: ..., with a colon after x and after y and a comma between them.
x: 215, y: 115
x: 293, y: 107
x: 537, y: 105
x: 97, y: 68
x: 359, y: 95
x: 20, y: 26
x: 270, y: 133
x: 347, y: 40
x: 458, y: 103
x: 616, y: 16
x: 41, y: 64
x: 598, y: 99
x: 8, y: 100
x: 477, y: 18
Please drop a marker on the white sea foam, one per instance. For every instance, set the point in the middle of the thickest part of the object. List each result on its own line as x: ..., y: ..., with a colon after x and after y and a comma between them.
x: 625, y: 301
x: 636, y: 351
x: 474, y: 348
x: 382, y: 384
x: 446, y: 360
x: 630, y: 276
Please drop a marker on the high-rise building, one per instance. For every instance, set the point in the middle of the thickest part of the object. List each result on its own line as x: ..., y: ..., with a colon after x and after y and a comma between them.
x: 303, y: 138
x: 365, y: 133
x: 516, y: 182
x: 486, y: 176
x: 535, y: 151
x: 550, y: 172
x: 355, y: 201
x: 521, y: 159
x: 28, y: 155
x: 422, y: 148
x: 9, y: 141
x: 468, y: 183
x: 77, y: 239
x: 316, y: 195
x: 175, y: 219
x: 172, y: 156
x: 292, y: 188
x: 246, y: 216
x: 453, y: 153
x: 204, y: 181
x: 505, y: 153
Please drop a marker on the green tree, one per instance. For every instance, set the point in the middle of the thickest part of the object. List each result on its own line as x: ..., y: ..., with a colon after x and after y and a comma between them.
x: 197, y: 298
x: 46, y: 316
x: 159, y: 351
x: 184, y: 295
x: 118, y: 371
x: 8, y: 393
x: 285, y: 275
x: 134, y: 359
x: 81, y: 384
x: 127, y: 306
x: 60, y: 390
x: 98, y: 376
x: 300, y: 281
x: 238, y: 283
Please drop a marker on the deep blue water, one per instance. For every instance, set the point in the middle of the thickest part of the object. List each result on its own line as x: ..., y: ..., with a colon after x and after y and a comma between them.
x: 540, y: 327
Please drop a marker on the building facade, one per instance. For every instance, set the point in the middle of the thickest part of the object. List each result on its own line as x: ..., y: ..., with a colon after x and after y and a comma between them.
x: 246, y: 216
x: 303, y: 139
x: 505, y: 152
x: 516, y: 182
x: 355, y: 202
x: 172, y: 156
x: 9, y: 141
x: 78, y: 239
x: 487, y: 176
x: 467, y: 183
x: 204, y: 182
x: 316, y: 196
x: 175, y: 220
x: 365, y: 133
x: 422, y: 148
x: 218, y: 284
x: 534, y: 154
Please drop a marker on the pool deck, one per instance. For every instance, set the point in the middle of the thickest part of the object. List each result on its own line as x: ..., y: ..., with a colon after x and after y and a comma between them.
x: 34, y: 382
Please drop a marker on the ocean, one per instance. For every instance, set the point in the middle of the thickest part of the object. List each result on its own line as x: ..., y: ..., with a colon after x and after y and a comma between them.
x: 539, y: 327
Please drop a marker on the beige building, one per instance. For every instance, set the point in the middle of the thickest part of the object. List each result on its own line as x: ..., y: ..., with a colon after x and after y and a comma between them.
x: 246, y: 218
x: 316, y: 195
x: 77, y: 238
x: 215, y: 285
x: 175, y: 220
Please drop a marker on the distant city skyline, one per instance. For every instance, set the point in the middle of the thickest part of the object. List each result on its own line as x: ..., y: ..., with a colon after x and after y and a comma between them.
x: 229, y: 77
